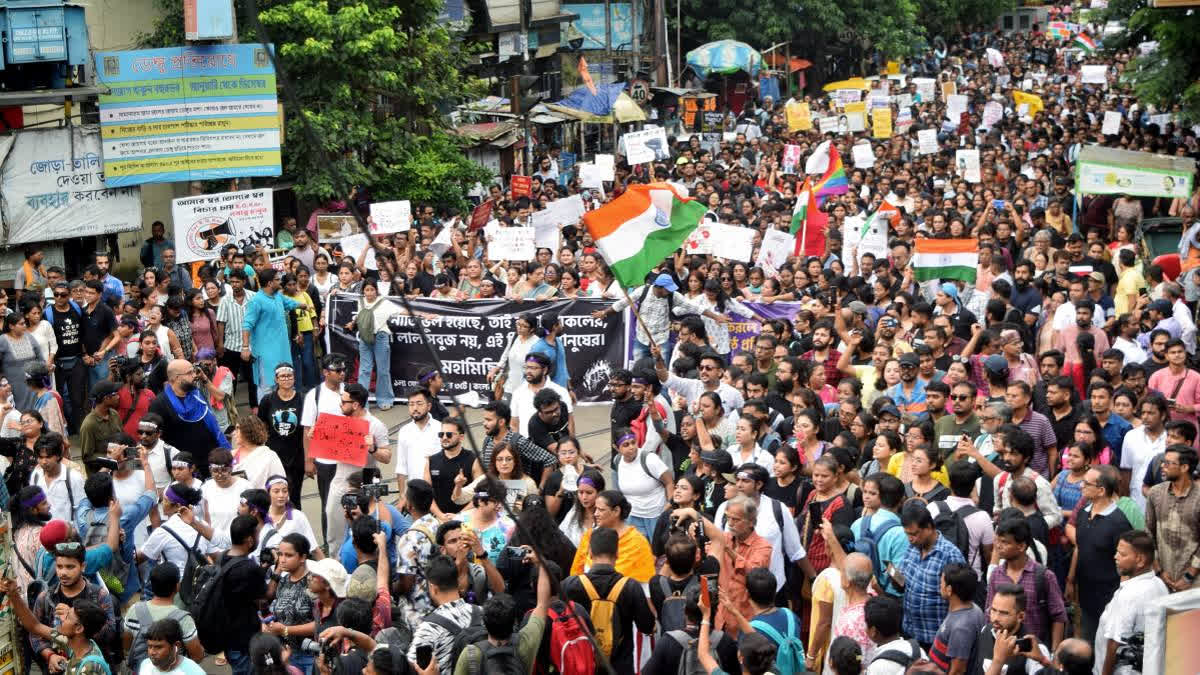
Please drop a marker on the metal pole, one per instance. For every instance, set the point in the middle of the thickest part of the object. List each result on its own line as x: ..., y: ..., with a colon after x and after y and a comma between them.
x: 661, y: 58
x: 635, y: 61
x: 678, y: 43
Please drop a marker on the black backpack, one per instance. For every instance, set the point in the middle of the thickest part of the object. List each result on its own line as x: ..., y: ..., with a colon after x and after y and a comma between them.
x: 671, y: 616
x: 497, y: 660
x: 899, y: 657
x: 953, y: 526
x: 140, y: 623
x: 201, y: 592
x: 473, y: 634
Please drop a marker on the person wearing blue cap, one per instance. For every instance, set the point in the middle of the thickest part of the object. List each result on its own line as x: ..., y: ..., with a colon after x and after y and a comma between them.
x: 658, y: 302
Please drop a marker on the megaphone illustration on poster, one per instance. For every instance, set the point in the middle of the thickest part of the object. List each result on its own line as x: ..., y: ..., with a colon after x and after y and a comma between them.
x: 216, y: 235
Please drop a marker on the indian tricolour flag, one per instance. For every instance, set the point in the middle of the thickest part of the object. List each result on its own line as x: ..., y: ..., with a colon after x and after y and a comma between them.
x: 946, y: 259
x: 1085, y: 43
x: 639, y: 229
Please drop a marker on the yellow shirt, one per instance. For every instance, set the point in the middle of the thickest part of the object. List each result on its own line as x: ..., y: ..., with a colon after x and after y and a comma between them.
x: 306, y: 314
x: 896, y: 468
x: 634, y: 558
x: 1129, y: 283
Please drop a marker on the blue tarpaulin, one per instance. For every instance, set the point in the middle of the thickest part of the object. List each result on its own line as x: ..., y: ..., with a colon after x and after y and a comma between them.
x: 600, y: 103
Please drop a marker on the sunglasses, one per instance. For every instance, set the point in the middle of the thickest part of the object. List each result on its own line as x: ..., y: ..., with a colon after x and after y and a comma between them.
x: 62, y: 295
x: 219, y: 468
x: 447, y: 434
x: 961, y: 397
x: 68, y: 548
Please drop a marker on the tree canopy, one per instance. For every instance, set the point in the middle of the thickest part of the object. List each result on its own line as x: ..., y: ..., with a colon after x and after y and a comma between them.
x: 1169, y: 75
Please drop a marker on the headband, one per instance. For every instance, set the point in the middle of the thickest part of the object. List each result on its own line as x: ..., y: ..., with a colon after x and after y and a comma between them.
x: 272, y: 480
x: 626, y: 437
x: 284, y: 366
x: 427, y: 376
x: 177, y: 464
x: 639, y: 380
x: 532, y: 357
x: 34, y: 500
x: 584, y: 480
x: 483, y: 495
x: 170, y: 495
x: 147, y: 426
x: 253, y: 507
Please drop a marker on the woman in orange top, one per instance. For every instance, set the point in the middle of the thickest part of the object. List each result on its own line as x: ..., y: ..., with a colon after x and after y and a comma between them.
x: 634, y: 558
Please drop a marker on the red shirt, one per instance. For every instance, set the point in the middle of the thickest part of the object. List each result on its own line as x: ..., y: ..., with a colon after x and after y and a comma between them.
x: 130, y: 413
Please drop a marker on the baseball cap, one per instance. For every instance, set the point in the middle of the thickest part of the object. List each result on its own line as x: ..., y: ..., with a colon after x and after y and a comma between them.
x: 665, y: 281
x: 996, y: 363
x: 890, y: 410
x: 1097, y: 276
x: 910, y: 359
x: 858, y: 307
x: 104, y: 388
x: 1161, y: 306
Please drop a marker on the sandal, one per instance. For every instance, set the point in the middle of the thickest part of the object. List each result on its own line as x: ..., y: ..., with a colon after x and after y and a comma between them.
x: 220, y: 660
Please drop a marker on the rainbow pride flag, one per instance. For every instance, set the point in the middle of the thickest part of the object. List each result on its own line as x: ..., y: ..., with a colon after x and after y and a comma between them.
x: 1058, y: 30
x: 834, y: 181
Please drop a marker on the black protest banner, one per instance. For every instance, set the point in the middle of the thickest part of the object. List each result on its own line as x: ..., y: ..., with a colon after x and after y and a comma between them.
x: 470, y: 337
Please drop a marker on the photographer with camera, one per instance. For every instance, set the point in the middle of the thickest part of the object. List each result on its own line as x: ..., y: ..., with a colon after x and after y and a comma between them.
x: 291, y: 606
x: 478, y: 578
x: 361, y: 506
x: 1119, y: 634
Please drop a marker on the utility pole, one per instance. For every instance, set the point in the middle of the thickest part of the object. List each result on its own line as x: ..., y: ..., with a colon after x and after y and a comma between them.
x: 635, y: 62
x: 661, y: 56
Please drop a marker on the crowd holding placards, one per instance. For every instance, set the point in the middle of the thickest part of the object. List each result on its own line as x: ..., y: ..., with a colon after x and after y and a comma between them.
x: 925, y: 469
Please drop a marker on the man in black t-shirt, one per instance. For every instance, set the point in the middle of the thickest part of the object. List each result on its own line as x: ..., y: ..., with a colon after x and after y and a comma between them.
x: 71, y: 379
x: 243, y: 585
x: 99, y: 327
x: 452, y: 465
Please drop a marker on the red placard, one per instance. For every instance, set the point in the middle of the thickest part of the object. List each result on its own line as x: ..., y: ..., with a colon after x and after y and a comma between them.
x: 340, y: 439
x: 481, y: 215
x: 521, y: 186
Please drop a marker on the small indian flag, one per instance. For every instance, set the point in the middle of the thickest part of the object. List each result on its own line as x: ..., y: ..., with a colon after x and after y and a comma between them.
x: 946, y: 259
x: 1085, y: 43
x: 639, y: 229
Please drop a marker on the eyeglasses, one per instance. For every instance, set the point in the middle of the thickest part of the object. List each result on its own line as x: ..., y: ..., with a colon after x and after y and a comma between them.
x: 1088, y: 483
x: 68, y: 548
x: 447, y: 434
x: 147, y: 432
x: 961, y: 397
x: 336, y: 369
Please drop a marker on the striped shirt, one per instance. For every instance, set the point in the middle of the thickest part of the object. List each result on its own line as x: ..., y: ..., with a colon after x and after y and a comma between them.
x: 232, y: 313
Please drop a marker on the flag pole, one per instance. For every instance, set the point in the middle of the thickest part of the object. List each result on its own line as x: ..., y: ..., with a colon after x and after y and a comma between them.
x: 804, y: 237
x: 634, y: 309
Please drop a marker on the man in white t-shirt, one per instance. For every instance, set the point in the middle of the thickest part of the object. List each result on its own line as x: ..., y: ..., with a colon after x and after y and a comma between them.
x: 537, y: 367
x: 323, y: 398
x: 62, y: 484
x: 160, y: 454
x: 416, y: 442
x: 379, y: 450
x: 1142, y: 444
x: 774, y: 523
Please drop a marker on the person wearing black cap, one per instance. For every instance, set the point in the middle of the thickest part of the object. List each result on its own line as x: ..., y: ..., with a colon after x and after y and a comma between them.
x: 909, y: 393
x: 102, y: 423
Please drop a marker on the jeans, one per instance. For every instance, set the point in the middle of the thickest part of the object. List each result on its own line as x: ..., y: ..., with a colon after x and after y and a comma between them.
x: 641, y: 349
x: 71, y: 380
x: 304, y: 356
x: 242, y: 370
x: 643, y: 525
x: 378, y: 357
x: 239, y: 662
x: 99, y: 371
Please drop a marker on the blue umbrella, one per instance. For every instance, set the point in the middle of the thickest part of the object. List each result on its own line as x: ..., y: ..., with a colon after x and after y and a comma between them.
x: 724, y: 57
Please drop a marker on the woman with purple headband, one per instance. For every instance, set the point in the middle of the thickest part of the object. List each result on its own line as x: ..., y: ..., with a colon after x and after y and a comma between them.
x: 30, y: 511
x: 282, y: 519
x: 168, y: 541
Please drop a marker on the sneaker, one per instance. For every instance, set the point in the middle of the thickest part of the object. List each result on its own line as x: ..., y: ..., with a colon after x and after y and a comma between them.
x: 386, y: 407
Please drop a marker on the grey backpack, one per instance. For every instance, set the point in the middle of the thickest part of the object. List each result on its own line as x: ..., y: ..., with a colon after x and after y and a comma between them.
x: 689, y: 663
x: 140, y: 623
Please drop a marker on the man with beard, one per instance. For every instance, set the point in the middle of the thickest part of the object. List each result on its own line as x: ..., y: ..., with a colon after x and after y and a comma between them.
x: 82, y: 621
x: 1125, y: 616
x: 244, y: 583
x: 537, y: 369
x: 885, y: 334
x: 189, y: 425
x: 1156, y: 318
x: 1173, y: 518
x: 1024, y: 295
x: 1125, y: 340
x: 625, y: 407
x: 1179, y: 383
x: 961, y: 422
x: 824, y: 353
x: 1065, y: 337
x: 1113, y: 426
x: 497, y: 428
x: 452, y: 465
x: 1063, y: 414
x: 785, y: 378
x: 909, y: 393
x: 551, y: 423
x: 996, y: 649
x: 711, y: 370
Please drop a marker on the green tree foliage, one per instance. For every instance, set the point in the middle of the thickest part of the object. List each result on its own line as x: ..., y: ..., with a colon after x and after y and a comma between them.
x: 1170, y: 75
x: 373, y: 78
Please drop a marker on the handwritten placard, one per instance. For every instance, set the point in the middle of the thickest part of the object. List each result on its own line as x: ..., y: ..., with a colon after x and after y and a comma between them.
x: 512, y: 243
x: 391, y: 217
x: 522, y: 186
x: 340, y: 439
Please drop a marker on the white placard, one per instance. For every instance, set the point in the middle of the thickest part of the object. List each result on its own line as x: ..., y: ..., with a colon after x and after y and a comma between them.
x: 903, y: 100
x: 391, y: 217
x: 1094, y: 74
x: 1162, y: 120
x: 591, y: 176
x: 927, y: 142
x: 926, y: 88
x: 699, y: 242
x: 546, y: 235
x: 512, y: 243
x: 877, y: 99
x: 560, y: 212
x: 732, y: 242
x: 53, y: 188
x: 606, y: 164
x: 205, y: 223
x: 864, y: 156
x: 777, y: 246
x: 828, y: 125
x: 647, y: 145
x: 967, y: 163
x: 855, y: 122
x: 992, y: 112
x: 845, y: 96
x: 856, y: 241
x: 1112, y: 123
x: 956, y: 105
x: 353, y: 245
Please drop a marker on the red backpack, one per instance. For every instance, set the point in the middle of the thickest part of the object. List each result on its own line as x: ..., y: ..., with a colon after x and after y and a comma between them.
x: 570, y: 647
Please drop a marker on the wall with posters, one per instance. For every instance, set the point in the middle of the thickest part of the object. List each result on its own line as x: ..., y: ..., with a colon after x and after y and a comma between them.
x: 471, y: 336
x: 52, y: 187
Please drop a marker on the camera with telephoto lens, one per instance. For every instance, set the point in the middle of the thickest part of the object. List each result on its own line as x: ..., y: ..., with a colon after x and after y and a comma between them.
x: 1133, y: 652
x: 350, y: 501
x: 375, y: 490
x: 684, y: 526
x: 266, y: 557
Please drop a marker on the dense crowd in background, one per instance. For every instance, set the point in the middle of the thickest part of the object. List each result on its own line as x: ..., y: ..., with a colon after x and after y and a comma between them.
x: 908, y: 476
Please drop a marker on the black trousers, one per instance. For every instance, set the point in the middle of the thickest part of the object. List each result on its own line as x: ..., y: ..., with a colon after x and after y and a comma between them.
x: 242, y: 370
x: 70, y: 377
x: 325, y: 474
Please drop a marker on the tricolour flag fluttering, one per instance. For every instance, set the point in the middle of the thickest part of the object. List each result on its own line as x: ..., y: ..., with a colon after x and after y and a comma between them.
x: 1084, y: 42
x: 809, y: 223
x: 946, y: 259
x: 637, y: 230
